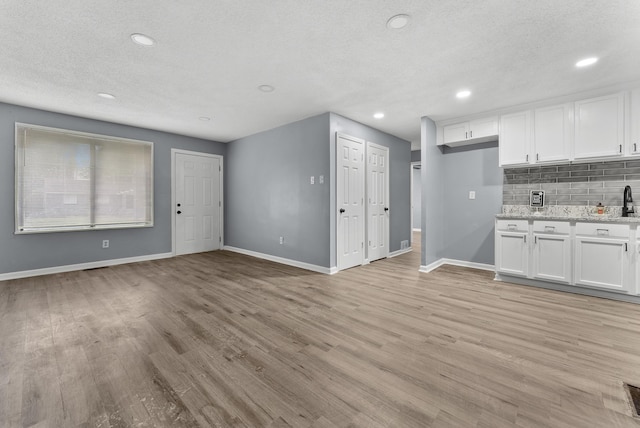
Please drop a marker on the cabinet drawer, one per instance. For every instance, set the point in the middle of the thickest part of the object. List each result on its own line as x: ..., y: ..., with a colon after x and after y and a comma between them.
x: 603, y: 230
x: 557, y: 227
x: 513, y: 225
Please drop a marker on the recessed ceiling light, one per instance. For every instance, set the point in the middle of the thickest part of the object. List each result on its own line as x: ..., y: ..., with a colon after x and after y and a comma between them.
x: 266, y: 88
x: 378, y: 115
x: 107, y: 96
x: 397, y: 22
x: 586, y: 62
x: 463, y: 94
x: 204, y: 118
x: 142, y: 39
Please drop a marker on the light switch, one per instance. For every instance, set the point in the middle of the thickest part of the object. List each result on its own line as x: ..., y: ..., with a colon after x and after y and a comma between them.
x: 472, y: 194
x: 313, y: 180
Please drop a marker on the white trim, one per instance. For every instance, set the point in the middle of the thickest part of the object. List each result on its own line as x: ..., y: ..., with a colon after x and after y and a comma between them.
x: 416, y: 230
x: 444, y: 261
x: 173, y: 193
x: 399, y: 252
x: 82, y: 266
x: 282, y: 260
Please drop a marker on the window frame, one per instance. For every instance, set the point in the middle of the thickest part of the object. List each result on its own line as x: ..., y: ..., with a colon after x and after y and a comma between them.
x: 19, y: 157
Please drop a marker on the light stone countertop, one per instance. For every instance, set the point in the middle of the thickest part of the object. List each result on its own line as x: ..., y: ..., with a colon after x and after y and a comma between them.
x: 568, y: 213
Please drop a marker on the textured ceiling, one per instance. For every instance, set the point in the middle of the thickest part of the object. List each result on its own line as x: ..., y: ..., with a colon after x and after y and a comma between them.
x: 330, y: 55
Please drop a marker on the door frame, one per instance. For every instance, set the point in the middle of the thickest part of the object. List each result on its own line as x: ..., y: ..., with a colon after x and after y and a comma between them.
x: 174, y: 152
x: 387, y: 184
x: 414, y: 163
x: 364, y: 192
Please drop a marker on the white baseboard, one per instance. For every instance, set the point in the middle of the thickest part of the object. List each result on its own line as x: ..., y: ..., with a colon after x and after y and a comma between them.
x: 432, y: 266
x: 82, y: 266
x: 282, y: 260
x: 399, y: 252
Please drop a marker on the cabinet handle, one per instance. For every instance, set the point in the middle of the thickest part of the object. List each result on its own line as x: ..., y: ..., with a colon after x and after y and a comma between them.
x: 604, y: 232
x: 549, y: 228
x: 625, y: 247
x: 512, y: 227
x: 527, y: 158
x: 635, y: 147
x: 535, y: 239
x: 620, y: 146
x: 466, y: 135
x: 471, y: 134
x: 525, y: 238
x: 537, y: 157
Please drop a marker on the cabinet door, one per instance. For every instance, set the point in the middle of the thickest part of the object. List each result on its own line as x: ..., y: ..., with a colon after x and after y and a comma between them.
x: 635, y: 122
x: 515, y: 136
x: 599, y: 127
x: 602, y: 263
x: 551, y: 133
x: 482, y: 128
x: 457, y: 132
x: 512, y: 254
x: 552, y: 258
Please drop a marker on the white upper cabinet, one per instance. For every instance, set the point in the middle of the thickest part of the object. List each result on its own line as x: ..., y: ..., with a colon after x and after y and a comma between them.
x: 599, y: 127
x: 634, y: 141
x: 552, y: 132
x: 455, y: 133
x: 475, y: 131
x: 515, y: 138
x: 484, y: 128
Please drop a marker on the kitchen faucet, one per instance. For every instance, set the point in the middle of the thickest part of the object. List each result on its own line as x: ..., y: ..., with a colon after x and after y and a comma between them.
x: 627, y: 198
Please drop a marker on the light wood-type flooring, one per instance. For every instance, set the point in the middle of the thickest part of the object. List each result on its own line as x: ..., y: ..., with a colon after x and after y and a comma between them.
x: 222, y: 339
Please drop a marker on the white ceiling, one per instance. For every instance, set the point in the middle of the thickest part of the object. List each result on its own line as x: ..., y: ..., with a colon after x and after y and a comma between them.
x: 320, y: 55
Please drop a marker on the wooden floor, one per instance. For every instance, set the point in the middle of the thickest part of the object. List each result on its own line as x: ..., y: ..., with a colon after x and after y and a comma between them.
x: 221, y: 339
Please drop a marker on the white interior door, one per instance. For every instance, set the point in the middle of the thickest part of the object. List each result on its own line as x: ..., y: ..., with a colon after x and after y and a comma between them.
x: 350, y: 201
x: 198, y: 204
x: 377, y: 201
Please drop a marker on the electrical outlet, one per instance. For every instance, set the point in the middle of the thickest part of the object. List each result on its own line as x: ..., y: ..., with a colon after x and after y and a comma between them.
x: 105, y: 243
x: 281, y: 240
x: 313, y: 180
x: 472, y: 194
x: 321, y: 179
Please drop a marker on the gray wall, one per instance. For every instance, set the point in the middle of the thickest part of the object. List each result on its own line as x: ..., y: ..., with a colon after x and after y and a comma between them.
x: 469, y: 224
x: 399, y: 178
x: 453, y: 226
x: 268, y: 192
x: 417, y: 197
x: 415, y: 156
x: 432, y: 194
x: 26, y: 252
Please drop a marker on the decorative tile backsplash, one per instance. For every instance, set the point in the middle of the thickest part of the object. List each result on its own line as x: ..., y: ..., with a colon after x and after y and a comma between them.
x: 575, y: 184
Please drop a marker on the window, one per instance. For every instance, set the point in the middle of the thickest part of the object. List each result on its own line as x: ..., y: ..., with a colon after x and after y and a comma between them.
x: 67, y: 180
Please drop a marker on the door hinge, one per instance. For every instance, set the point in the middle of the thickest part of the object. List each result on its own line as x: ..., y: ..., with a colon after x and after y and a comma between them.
x: 219, y: 168
x: 219, y: 203
x: 220, y: 239
x: 362, y: 245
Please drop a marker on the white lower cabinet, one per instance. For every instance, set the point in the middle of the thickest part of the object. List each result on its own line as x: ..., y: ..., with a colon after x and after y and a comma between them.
x: 602, y: 256
x: 601, y: 263
x: 552, y: 251
x: 594, y: 255
x: 512, y: 251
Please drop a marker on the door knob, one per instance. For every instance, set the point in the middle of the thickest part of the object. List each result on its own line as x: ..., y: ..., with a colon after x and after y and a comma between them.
x: 178, y: 204
x: 179, y: 212
x: 386, y: 208
x: 341, y: 210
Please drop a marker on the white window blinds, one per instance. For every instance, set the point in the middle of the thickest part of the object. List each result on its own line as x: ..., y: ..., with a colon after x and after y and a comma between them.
x: 67, y: 180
